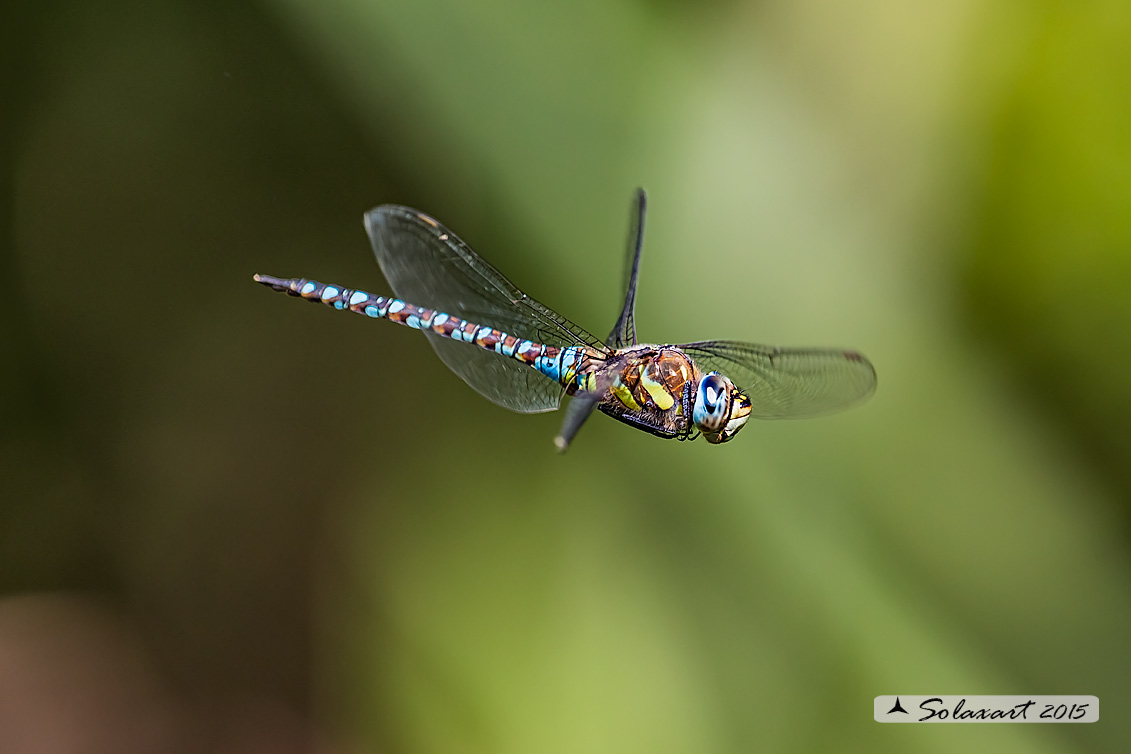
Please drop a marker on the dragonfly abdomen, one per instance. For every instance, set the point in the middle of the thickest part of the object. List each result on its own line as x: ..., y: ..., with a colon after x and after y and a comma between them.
x: 562, y: 365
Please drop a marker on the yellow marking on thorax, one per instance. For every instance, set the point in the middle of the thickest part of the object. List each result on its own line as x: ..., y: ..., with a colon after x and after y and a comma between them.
x: 658, y: 391
x: 624, y: 395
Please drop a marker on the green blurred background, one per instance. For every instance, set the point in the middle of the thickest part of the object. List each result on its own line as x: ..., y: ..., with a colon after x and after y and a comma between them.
x: 231, y: 522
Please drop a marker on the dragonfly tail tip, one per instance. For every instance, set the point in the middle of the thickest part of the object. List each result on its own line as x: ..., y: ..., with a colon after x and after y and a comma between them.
x: 271, y: 282
x: 561, y: 443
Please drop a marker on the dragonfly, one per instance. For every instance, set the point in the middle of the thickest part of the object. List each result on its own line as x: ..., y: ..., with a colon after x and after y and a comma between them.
x: 524, y: 356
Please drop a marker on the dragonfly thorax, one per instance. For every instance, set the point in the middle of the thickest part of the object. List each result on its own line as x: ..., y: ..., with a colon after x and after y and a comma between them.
x: 657, y: 388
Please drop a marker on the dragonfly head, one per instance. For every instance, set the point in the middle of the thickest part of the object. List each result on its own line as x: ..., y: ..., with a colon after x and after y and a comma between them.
x: 721, y: 409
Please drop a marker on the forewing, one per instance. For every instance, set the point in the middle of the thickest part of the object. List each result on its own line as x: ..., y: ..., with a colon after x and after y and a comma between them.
x: 428, y: 265
x: 789, y: 383
x: 624, y: 331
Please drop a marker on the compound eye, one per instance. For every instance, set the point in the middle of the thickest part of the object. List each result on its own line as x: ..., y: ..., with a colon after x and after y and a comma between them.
x: 713, y: 392
x: 712, y: 403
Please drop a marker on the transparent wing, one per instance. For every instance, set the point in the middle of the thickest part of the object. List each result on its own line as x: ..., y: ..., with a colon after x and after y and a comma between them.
x: 789, y: 383
x: 624, y: 331
x: 428, y: 265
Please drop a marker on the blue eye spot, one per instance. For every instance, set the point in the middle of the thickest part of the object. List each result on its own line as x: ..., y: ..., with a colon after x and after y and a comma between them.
x: 712, y: 403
